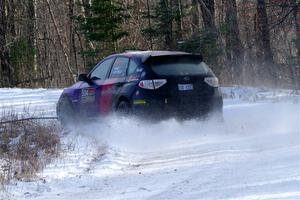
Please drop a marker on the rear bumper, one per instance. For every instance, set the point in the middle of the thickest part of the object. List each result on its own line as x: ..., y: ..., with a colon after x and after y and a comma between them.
x: 179, y: 107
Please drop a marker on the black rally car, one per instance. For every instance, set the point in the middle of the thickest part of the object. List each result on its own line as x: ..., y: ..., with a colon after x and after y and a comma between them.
x: 159, y: 83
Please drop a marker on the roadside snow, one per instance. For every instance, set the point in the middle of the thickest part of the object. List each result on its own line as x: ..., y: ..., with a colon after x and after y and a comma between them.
x: 254, y: 154
x: 34, y: 101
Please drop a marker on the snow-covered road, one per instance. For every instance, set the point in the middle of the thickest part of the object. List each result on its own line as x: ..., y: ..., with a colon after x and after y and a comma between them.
x: 254, y: 154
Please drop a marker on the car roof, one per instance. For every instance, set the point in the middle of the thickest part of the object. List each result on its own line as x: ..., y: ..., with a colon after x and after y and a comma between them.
x: 145, y: 55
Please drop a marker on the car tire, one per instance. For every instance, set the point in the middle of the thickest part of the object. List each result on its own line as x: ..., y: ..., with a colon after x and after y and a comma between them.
x: 65, y: 111
x: 123, y: 107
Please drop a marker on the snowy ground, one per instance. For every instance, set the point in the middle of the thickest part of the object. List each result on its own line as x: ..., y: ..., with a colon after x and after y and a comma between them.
x: 254, y: 154
x: 35, y: 101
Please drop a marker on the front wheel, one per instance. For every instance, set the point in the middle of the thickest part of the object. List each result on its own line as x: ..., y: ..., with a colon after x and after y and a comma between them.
x: 65, y: 111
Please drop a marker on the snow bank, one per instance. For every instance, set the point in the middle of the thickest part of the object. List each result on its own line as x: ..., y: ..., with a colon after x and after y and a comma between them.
x: 251, y: 94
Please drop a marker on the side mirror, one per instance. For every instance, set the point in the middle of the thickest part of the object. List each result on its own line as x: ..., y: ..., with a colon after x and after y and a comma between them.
x: 83, y: 77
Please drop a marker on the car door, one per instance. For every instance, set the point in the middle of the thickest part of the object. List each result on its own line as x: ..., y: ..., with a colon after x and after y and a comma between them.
x: 91, y: 92
x: 113, y: 84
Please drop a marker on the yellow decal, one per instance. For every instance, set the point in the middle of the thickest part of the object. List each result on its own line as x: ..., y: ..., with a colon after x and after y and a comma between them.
x: 139, y: 102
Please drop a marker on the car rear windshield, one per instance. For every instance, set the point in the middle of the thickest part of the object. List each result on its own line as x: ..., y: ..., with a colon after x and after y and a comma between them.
x: 182, y: 65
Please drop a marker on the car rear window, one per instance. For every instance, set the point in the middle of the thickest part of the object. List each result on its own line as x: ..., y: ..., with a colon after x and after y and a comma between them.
x: 179, y: 66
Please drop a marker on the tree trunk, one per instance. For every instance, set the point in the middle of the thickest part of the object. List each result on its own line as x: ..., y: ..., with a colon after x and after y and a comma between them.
x: 72, y: 44
x: 149, y: 24
x: 86, y: 44
x: 167, y: 25
x: 195, y: 17
x: 177, y: 6
x: 11, y: 18
x: 234, y: 47
x: 32, y: 38
x: 297, y: 28
x: 60, y: 39
x: 208, y: 13
x: 6, y: 70
x: 85, y: 5
x: 264, y: 52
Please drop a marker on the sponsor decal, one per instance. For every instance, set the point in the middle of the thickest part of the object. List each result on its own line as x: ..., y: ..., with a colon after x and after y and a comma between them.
x: 139, y: 102
x: 88, y: 95
x: 106, y: 98
x: 134, y: 77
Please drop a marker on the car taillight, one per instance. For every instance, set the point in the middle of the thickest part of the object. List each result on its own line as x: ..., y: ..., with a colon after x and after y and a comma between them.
x: 212, y: 81
x: 146, y: 84
x: 152, y: 84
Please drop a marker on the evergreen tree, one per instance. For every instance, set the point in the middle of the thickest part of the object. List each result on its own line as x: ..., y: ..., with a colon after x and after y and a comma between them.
x: 164, y: 28
x: 103, y: 25
x: 165, y: 14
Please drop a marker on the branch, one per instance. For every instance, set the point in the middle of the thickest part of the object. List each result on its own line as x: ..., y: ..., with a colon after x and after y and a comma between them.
x: 27, y: 119
x: 34, y: 80
x: 284, y: 17
x: 205, y: 8
x: 210, y: 15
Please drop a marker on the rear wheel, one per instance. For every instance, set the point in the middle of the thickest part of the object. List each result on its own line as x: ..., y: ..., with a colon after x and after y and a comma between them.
x: 123, y: 107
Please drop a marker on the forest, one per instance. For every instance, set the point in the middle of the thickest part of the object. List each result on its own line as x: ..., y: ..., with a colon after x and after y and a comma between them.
x: 48, y: 43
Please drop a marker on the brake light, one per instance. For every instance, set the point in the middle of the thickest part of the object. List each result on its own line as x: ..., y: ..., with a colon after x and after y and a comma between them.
x: 152, y: 84
x: 212, y: 81
x: 146, y: 84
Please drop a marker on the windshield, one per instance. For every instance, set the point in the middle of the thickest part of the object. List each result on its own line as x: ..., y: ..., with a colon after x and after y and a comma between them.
x: 179, y: 66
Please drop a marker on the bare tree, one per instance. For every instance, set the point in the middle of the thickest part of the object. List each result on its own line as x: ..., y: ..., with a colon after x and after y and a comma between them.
x: 195, y: 17
x: 72, y: 44
x: 7, y: 79
x: 149, y: 24
x: 234, y: 47
x: 264, y: 51
x: 60, y: 39
x: 177, y: 6
x: 32, y: 36
x: 208, y: 14
x: 296, y: 13
x: 41, y: 43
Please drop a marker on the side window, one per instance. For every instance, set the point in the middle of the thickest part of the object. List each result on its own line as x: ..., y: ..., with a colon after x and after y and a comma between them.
x: 102, y: 69
x: 132, y: 67
x: 119, y: 68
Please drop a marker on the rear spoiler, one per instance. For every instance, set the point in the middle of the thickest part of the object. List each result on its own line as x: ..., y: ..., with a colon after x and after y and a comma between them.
x: 148, y: 58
